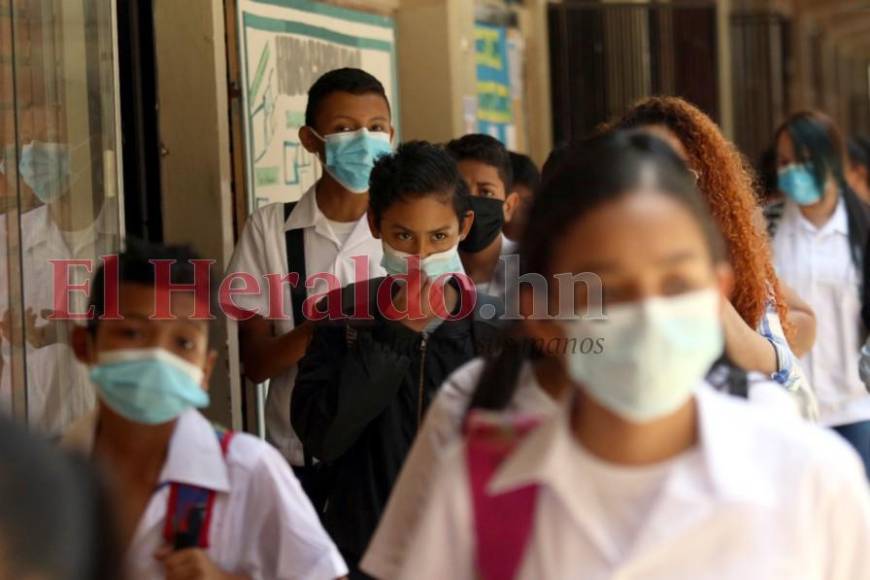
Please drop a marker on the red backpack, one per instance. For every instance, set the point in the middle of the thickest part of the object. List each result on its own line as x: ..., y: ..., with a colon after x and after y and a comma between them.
x: 503, y: 523
x: 189, y: 508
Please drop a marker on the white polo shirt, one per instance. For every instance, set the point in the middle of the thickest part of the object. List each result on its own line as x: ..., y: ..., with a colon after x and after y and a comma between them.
x: 262, y: 522
x: 442, y: 429
x: 758, y: 497
x: 59, y: 390
x: 262, y: 250
x: 817, y: 263
x: 497, y: 286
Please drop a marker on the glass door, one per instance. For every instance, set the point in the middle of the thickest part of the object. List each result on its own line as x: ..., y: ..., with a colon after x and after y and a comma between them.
x: 60, y: 200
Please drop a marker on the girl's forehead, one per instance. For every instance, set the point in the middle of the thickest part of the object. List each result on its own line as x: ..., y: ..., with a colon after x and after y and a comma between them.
x: 425, y: 211
x: 645, y: 226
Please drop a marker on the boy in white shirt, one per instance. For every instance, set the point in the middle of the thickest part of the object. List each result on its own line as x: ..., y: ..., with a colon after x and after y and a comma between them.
x: 193, y: 501
x: 485, y: 165
x: 347, y: 126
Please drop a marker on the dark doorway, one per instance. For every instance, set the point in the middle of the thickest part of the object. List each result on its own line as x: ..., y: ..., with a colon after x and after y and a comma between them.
x: 139, y: 127
x: 604, y: 57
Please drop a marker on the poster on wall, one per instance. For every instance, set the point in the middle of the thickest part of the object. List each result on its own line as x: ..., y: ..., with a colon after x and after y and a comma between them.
x: 285, y: 46
x: 495, y: 101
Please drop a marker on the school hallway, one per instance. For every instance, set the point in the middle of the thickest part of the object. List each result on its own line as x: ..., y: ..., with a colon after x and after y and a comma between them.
x: 435, y: 288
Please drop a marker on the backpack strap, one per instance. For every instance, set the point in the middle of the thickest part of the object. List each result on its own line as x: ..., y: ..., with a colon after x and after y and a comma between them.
x: 295, y: 241
x: 189, y: 508
x: 503, y: 523
x: 727, y: 377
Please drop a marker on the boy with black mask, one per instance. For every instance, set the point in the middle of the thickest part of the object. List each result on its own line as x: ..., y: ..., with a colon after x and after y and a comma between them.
x: 485, y: 165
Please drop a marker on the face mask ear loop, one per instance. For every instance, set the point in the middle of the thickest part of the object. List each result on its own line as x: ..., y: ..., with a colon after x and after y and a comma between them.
x: 322, y: 140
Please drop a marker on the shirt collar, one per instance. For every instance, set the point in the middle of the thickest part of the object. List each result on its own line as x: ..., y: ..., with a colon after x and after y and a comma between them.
x: 194, y: 456
x: 38, y: 227
x: 546, y: 457
x: 837, y: 224
x: 307, y: 214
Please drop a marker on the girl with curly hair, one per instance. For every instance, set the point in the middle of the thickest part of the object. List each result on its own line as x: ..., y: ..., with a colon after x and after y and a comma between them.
x: 755, y: 339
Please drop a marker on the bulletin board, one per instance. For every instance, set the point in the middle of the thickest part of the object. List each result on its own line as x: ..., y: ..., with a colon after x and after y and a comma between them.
x: 285, y: 46
x: 495, y: 106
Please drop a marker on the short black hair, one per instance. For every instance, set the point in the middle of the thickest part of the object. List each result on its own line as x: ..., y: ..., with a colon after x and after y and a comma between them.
x: 525, y: 172
x: 135, y: 267
x: 341, y: 80
x: 416, y: 169
x: 56, y: 518
x: 485, y: 149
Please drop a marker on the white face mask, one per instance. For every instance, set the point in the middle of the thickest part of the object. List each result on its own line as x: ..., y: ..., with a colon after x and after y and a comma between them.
x: 655, y: 352
x: 433, y: 265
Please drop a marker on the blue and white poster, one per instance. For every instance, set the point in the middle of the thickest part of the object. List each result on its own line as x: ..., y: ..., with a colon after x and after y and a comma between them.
x: 495, y: 103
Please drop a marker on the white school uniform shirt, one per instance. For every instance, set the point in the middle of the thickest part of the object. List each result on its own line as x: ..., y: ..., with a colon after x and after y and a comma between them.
x: 262, y: 250
x: 818, y: 264
x: 442, y: 429
x: 59, y: 390
x: 262, y: 522
x: 758, y: 497
x: 496, y: 287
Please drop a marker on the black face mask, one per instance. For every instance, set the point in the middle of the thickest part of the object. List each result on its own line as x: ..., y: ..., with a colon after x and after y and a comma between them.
x: 488, y: 222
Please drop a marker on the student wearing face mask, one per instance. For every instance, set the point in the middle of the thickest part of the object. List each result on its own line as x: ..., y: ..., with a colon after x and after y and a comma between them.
x: 818, y: 245
x: 366, y: 381
x: 443, y: 426
x: 485, y: 165
x: 193, y: 500
x: 766, y: 325
x: 444, y: 421
x: 60, y: 227
x: 644, y: 472
x: 347, y: 126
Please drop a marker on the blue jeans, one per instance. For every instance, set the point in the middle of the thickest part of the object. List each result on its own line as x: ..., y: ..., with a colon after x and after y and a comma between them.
x: 858, y: 435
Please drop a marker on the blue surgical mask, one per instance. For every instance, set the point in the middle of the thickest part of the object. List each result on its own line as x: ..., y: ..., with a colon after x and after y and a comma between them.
x: 652, y: 353
x: 433, y: 265
x: 799, y: 184
x: 149, y: 386
x: 350, y: 156
x: 44, y: 167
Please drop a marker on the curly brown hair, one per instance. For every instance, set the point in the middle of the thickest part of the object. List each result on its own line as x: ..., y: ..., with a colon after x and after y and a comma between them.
x: 727, y: 181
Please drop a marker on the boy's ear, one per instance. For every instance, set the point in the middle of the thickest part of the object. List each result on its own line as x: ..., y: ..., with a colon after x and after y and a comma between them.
x: 465, y: 225
x: 83, y: 345
x: 510, y: 205
x: 310, y: 141
x: 373, y: 227
x: 210, y: 361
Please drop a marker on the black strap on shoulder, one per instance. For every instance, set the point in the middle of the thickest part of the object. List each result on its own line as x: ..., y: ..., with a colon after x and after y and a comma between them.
x: 773, y: 216
x: 295, y: 241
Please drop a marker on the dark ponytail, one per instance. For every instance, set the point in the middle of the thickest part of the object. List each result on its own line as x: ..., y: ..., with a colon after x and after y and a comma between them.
x: 577, y: 180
